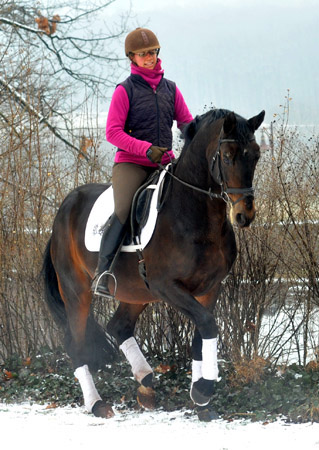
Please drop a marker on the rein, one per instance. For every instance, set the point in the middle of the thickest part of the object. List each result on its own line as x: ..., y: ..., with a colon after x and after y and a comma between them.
x: 224, y: 191
x: 195, y: 188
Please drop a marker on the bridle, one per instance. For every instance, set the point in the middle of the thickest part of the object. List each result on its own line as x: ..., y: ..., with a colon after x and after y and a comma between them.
x: 217, y: 174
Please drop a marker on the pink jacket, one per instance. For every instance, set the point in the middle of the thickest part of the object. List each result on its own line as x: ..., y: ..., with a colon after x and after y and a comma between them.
x: 134, y: 149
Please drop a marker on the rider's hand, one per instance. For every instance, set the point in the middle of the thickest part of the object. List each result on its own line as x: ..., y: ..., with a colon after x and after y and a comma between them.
x: 155, y: 154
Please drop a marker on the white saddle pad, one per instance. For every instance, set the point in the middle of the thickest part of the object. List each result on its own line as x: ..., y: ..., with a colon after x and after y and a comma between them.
x: 103, y: 208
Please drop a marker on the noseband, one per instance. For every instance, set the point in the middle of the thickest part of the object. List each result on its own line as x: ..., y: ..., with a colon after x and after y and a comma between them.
x: 216, y: 171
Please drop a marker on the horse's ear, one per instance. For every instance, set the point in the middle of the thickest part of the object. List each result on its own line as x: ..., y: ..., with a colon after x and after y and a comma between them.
x: 229, y: 123
x: 255, y: 122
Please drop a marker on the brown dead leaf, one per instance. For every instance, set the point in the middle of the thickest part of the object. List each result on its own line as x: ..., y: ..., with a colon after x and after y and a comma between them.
x: 52, y: 406
x: 162, y: 368
x: 7, y: 374
x: 27, y: 362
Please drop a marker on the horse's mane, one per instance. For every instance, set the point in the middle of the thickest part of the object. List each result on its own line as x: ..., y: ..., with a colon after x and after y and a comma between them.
x: 211, y: 116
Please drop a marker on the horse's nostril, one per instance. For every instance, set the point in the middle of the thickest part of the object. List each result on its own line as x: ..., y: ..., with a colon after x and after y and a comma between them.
x: 242, y: 220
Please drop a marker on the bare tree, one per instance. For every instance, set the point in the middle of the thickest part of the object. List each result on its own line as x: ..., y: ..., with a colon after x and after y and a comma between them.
x: 67, y: 54
x: 54, y: 65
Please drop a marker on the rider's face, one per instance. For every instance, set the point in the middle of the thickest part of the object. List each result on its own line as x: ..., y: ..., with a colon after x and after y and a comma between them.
x: 147, y: 59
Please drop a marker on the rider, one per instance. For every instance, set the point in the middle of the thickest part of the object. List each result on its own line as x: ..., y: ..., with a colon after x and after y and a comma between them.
x: 139, y: 123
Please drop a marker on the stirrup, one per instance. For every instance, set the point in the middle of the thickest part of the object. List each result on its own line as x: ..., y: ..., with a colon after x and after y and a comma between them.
x: 101, y: 293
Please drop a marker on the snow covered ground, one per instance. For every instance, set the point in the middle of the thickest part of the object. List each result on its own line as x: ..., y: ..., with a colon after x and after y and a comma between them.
x: 35, y: 427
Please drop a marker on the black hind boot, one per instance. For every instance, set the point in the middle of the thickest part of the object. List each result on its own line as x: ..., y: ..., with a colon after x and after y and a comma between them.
x: 112, y: 238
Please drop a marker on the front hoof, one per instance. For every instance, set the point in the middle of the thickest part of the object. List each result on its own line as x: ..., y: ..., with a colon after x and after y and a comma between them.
x: 146, y: 397
x: 201, y: 391
x: 206, y: 414
x: 147, y: 381
x: 102, y: 409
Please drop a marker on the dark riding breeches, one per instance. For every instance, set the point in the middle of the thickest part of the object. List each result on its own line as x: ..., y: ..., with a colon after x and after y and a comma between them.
x: 126, y: 179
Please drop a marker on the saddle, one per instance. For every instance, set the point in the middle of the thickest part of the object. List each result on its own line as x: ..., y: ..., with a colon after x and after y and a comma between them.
x: 141, y: 205
x: 146, y: 204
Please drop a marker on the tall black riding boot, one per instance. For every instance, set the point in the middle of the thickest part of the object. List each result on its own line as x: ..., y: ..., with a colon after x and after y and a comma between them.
x: 112, y: 238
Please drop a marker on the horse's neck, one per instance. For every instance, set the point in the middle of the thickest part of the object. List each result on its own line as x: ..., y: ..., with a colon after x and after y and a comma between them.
x: 196, y: 210
x: 192, y: 166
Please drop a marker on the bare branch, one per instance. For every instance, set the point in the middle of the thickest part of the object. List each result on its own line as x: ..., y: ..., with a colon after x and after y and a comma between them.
x: 31, y: 110
x: 14, y: 24
x: 57, y: 57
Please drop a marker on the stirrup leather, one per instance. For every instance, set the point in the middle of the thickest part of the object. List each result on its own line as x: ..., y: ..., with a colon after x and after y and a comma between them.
x: 96, y: 287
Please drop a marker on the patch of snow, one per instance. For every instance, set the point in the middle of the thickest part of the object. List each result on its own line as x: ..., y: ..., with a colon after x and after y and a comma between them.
x: 35, y: 427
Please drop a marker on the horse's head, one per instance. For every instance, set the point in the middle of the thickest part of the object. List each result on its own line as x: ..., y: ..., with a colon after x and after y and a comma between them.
x: 233, y: 164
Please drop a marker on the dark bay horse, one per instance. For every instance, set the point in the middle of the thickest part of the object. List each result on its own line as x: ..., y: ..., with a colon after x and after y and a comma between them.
x: 191, y: 251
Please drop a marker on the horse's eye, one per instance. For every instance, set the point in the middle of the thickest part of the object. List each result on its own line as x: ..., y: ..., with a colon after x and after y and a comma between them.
x: 226, y: 159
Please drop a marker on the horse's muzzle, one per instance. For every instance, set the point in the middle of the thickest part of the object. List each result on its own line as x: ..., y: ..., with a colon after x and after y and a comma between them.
x: 243, y: 213
x: 243, y: 220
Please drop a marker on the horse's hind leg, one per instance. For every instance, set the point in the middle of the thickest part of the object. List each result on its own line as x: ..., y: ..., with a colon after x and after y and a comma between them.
x: 75, y: 292
x: 122, y: 327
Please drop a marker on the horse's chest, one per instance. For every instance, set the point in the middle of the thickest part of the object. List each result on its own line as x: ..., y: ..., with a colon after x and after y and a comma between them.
x: 208, y: 266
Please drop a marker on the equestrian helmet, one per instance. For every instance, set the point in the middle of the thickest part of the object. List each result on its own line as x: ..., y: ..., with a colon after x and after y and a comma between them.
x: 140, y: 40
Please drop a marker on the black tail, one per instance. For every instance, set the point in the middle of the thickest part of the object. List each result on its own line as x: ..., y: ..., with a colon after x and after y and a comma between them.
x: 100, y: 348
x: 51, y: 290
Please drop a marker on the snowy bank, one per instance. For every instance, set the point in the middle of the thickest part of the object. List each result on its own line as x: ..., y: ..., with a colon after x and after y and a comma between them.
x: 35, y: 427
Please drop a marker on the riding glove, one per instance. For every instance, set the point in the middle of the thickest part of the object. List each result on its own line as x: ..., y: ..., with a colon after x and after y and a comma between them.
x: 155, y: 154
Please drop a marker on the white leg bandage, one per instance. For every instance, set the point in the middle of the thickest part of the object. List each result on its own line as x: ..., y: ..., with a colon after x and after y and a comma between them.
x: 90, y: 394
x: 209, y: 354
x: 135, y: 357
x: 196, y: 370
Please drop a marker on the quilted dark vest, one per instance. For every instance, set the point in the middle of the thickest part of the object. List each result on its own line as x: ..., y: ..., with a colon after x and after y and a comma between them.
x: 151, y: 113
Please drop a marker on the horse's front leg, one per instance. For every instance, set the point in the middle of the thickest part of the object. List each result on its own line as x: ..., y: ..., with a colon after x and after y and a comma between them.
x: 205, y: 366
x: 121, y: 327
x: 204, y: 369
x: 204, y: 352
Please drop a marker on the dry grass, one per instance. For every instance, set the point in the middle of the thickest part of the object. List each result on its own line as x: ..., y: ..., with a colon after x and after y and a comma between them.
x: 248, y: 371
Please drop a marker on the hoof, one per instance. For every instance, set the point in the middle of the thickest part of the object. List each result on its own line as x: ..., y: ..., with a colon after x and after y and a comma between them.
x: 102, y: 409
x: 148, y: 381
x: 206, y: 414
x: 201, y: 391
x: 146, y: 397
